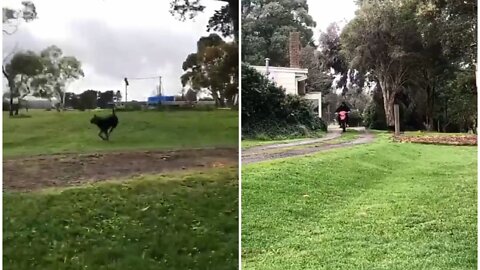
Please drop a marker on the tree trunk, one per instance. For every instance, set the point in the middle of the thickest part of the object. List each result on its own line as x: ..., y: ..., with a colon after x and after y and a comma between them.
x: 429, y: 110
x: 11, y: 85
x: 63, y: 100
x: 11, y: 104
x: 215, y: 97
x: 233, y: 7
x: 388, y: 102
x: 222, y: 99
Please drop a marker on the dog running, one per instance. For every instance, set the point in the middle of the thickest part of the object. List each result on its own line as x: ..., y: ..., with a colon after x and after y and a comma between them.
x: 105, y: 124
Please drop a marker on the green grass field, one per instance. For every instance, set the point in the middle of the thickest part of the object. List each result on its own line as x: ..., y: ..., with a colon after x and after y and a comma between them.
x: 380, y: 206
x: 183, y: 220
x: 186, y: 221
x: 52, y: 132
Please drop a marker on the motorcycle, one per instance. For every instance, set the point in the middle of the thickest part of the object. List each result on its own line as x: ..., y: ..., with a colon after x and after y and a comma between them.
x: 343, y: 120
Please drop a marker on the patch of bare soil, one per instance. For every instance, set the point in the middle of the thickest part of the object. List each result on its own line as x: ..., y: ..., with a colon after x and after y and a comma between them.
x: 253, y: 157
x: 75, y: 169
x: 459, y: 140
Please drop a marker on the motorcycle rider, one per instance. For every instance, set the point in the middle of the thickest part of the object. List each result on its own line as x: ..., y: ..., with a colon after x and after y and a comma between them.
x: 343, y: 107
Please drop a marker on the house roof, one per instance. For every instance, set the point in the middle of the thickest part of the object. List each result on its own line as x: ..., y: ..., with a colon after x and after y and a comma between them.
x: 300, y: 71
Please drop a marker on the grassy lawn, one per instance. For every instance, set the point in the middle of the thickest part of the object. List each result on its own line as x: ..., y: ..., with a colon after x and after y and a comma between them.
x: 52, y: 132
x: 379, y: 206
x: 186, y: 221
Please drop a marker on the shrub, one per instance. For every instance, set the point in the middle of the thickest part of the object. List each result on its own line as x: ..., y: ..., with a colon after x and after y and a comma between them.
x: 374, y: 116
x: 355, y: 119
x: 268, y: 111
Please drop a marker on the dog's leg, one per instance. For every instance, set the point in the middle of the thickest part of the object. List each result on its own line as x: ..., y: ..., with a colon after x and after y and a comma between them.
x: 100, y: 135
x: 110, y: 131
x: 106, y: 135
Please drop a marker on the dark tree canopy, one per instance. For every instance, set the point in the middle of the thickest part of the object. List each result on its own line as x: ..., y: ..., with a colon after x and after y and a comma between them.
x: 224, y: 20
x: 266, y: 26
x: 213, y: 67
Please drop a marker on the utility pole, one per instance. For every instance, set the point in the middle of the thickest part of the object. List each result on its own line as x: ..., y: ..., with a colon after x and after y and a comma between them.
x: 126, y: 92
x: 160, y: 85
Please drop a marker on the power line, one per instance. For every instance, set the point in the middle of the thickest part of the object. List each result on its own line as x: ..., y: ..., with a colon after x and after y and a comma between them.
x: 144, y: 78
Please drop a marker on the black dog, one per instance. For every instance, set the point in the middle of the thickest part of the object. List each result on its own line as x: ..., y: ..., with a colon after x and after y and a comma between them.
x: 105, y: 124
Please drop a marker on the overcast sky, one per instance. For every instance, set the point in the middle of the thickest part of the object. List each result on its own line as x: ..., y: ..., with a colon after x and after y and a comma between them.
x: 115, y: 39
x: 326, y: 12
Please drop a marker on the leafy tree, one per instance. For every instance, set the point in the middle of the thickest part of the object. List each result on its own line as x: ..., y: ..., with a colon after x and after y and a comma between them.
x: 383, y: 40
x: 88, y: 99
x: 19, y: 72
x: 105, y: 99
x: 13, y: 17
x: 448, y: 31
x: 191, y: 96
x: 224, y: 20
x: 59, y: 71
x: 118, y: 96
x: 319, y: 78
x: 211, y: 67
x: 266, y: 26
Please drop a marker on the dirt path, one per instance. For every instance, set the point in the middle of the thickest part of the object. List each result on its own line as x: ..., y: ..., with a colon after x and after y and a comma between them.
x: 329, y: 136
x: 75, y: 169
x: 259, y: 154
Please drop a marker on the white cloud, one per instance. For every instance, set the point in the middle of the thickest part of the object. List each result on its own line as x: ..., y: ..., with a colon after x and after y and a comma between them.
x: 327, y: 12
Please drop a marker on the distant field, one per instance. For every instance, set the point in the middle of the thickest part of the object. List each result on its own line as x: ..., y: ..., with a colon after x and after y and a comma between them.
x: 52, y: 132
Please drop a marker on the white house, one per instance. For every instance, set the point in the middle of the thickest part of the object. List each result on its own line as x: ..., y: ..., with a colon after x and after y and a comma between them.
x: 292, y: 78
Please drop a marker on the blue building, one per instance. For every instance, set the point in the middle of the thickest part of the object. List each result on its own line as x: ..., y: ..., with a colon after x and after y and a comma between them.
x: 156, y: 100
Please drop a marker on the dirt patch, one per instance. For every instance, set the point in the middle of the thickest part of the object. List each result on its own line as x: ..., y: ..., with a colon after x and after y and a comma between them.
x: 459, y: 140
x: 261, y: 148
x: 253, y: 157
x: 75, y: 169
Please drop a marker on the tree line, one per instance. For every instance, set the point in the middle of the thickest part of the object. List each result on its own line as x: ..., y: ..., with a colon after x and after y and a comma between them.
x: 415, y: 53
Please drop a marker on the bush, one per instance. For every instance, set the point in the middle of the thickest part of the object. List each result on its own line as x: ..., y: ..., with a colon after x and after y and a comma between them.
x: 268, y: 111
x: 186, y: 107
x: 355, y: 119
x: 374, y: 116
x: 6, y: 106
x: 130, y: 107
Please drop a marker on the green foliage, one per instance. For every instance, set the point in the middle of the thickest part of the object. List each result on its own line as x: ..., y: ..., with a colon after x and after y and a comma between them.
x: 412, y: 49
x: 12, y: 17
x: 24, y: 63
x: 462, y: 101
x: 355, y: 118
x: 225, y: 20
x: 266, y: 26
x: 59, y: 71
x: 267, y: 110
x: 214, y: 66
x: 88, y: 99
x: 374, y: 116
x: 19, y: 72
x: 191, y: 95
x: 319, y: 79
